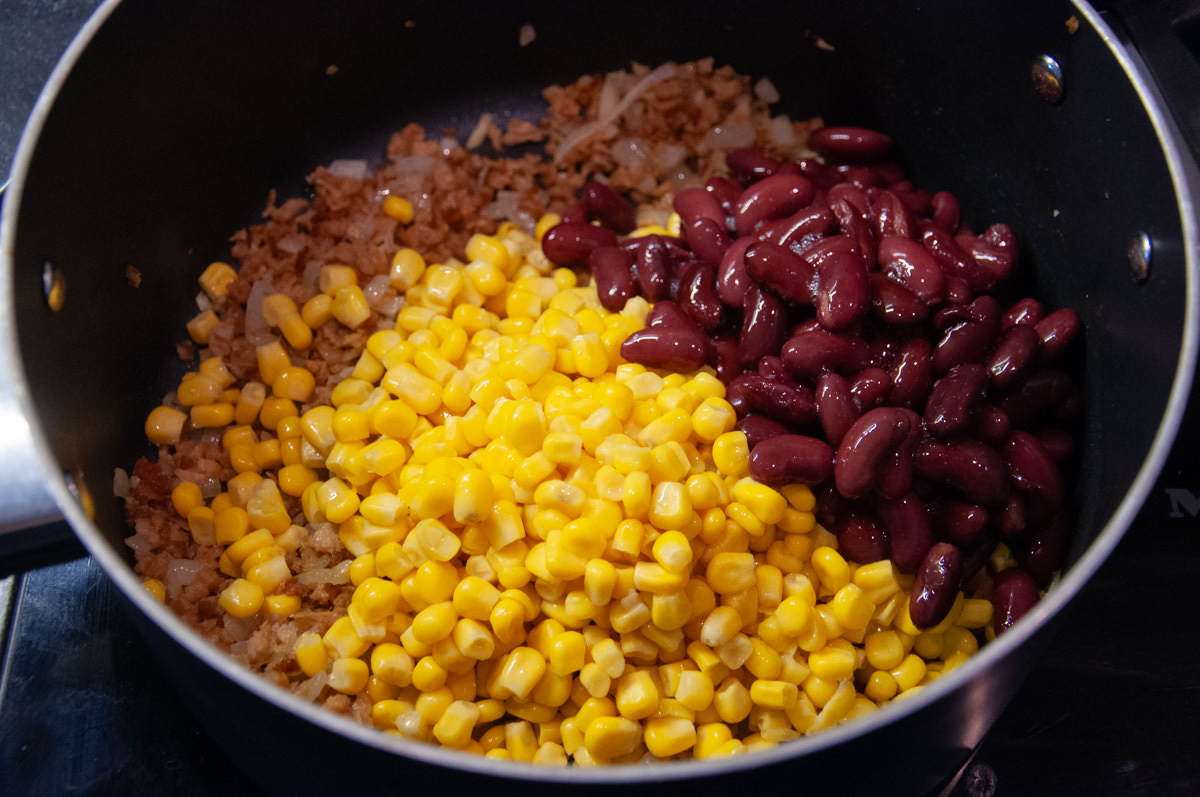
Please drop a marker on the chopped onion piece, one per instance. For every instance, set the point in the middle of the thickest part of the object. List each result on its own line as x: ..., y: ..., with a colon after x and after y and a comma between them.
x: 180, y: 573
x: 765, y: 90
x: 349, y: 168
x: 120, y: 483
x: 480, y: 132
x: 257, y: 330
x: 585, y: 131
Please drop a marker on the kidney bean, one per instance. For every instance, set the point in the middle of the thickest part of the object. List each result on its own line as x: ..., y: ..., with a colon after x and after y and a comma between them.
x: 867, y: 449
x: 770, y: 198
x: 571, y: 243
x: 955, y: 400
x: 992, y: 425
x: 911, y: 374
x: 856, y: 228
x: 810, y: 353
x: 977, y: 471
x: 1014, y: 593
x: 843, y: 291
x: 814, y: 220
x: 707, y: 239
x: 782, y: 270
x: 1057, y: 330
x: 670, y: 341
x: 732, y: 277
x: 725, y: 191
x: 693, y: 204
x: 1010, y: 521
x: 918, y: 200
x: 945, y: 211
x: 1014, y: 357
x: 609, y: 207
x: 758, y: 428
x: 936, y: 585
x: 653, y: 266
x: 791, y: 458
x: 896, y: 477
x: 697, y: 295
x: 908, y: 530
x: 869, y: 388
x: 1035, y: 398
x: 1034, y: 472
x: 890, y: 216
x: 910, y: 264
x: 793, y: 405
x: 748, y: 164
x: 883, y: 352
x: 612, y: 268
x: 894, y: 304
x: 1002, y: 236
x: 576, y: 213
x: 958, y: 291
x: 1047, y: 549
x: 735, y: 390
x: 955, y: 262
x: 854, y: 198
x: 1023, y: 311
x: 835, y: 407
x: 860, y: 538
x: 958, y: 522
x: 772, y: 368
x: 971, y: 339
x: 977, y: 555
x: 863, y: 177
x: 996, y: 261
x: 764, y: 319
x: 856, y: 143
x: 1059, y: 444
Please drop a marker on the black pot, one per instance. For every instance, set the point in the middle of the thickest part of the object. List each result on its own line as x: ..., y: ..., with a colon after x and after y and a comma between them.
x: 164, y: 128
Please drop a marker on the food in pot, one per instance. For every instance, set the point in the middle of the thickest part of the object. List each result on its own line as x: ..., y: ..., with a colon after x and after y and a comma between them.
x: 463, y: 464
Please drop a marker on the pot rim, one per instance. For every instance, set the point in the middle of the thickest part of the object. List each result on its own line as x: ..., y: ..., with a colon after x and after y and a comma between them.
x: 1186, y: 182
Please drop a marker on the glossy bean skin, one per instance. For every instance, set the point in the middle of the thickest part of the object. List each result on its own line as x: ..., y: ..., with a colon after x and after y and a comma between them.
x: 693, y: 204
x: 936, y: 585
x: 612, y: 268
x: 955, y: 262
x: 811, y: 353
x: 997, y: 262
x: 708, y: 240
x: 758, y: 427
x: 853, y: 143
x: 1014, y: 593
x: 1023, y: 311
x: 969, y: 340
x: 791, y: 458
x: 653, y: 263
x: 992, y: 426
x: 945, y: 211
x: 891, y: 216
x: 843, y: 291
x: 977, y: 471
x: 814, y: 220
x: 747, y: 164
x: 894, y: 304
x: 782, y: 270
x: 855, y: 227
x: 869, y: 388
x: 1015, y: 356
x: 732, y: 276
x: 1037, y: 397
x: 835, y: 407
x: 910, y: 264
x: 868, y: 447
x: 909, y: 533
x: 609, y: 208
x: 770, y: 198
x: 960, y: 523
x: 571, y: 243
x: 860, y: 538
x: 1047, y: 549
x: 955, y: 400
x: 763, y: 326
x: 793, y: 405
x: 1034, y: 472
x: 911, y: 374
x: 1010, y: 521
x: 1056, y: 332
x: 670, y: 341
x: 724, y: 190
x: 698, y: 295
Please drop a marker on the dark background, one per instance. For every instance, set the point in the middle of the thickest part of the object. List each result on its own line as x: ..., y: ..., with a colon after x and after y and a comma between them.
x: 1113, y: 708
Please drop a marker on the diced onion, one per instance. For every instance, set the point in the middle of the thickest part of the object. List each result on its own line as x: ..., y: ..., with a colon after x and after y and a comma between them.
x: 349, y: 168
x: 585, y: 131
x: 120, y: 483
x: 257, y: 330
x: 180, y: 573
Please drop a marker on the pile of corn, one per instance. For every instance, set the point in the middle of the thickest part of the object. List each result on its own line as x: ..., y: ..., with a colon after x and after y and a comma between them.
x: 557, y: 556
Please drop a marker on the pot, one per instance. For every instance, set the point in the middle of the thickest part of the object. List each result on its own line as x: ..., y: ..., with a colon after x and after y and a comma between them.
x: 146, y: 149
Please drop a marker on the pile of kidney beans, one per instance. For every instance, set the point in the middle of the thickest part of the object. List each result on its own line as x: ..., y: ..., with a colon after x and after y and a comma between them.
x: 860, y: 329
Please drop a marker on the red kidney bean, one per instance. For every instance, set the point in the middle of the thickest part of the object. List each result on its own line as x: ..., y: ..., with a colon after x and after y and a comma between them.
x: 653, y: 266
x: 890, y: 216
x: 1014, y: 593
x: 782, y: 270
x: 1002, y: 237
x: 576, y: 213
x: 896, y: 477
x: 958, y: 291
x: 693, y: 204
x: 772, y: 368
x: 814, y: 220
x: 911, y: 374
x: 725, y: 191
x: 571, y: 243
x: 1057, y: 330
x: 971, y: 339
x: 1047, y: 549
x: 908, y: 530
x: 697, y: 295
x: 1034, y: 472
x: 955, y: 400
x: 977, y: 471
x: 708, y: 240
x: 793, y: 405
x: 1014, y: 357
x: 959, y: 522
x: 855, y: 143
x: 764, y: 325
x: 735, y: 390
x: 863, y: 177
x: 894, y: 304
x: 977, y: 555
x: 918, y: 200
x: 867, y: 449
x: 945, y: 211
x: 732, y: 277
x: 996, y: 261
x: 609, y: 208
x: 748, y: 164
x: 856, y: 228
x: 843, y: 291
x: 910, y: 264
x: 723, y: 357
x: 771, y: 198
x: 1010, y: 520
x: 670, y: 341
x: 1024, y: 311
x: 612, y: 268
x: 869, y: 388
x: 835, y: 407
x: 936, y: 586
x: 955, y: 262
x: 758, y: 428
x: 860, y: 538
x: 791, y: 458
x: 810, y: 353
x: 854, y: 198
x: 992, y: 425
x: 883, y: 353
x: 1059, y: 444
x: 1035, y: 398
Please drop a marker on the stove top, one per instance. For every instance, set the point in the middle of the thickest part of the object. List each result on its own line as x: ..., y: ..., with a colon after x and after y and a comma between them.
x: 1112, y: 708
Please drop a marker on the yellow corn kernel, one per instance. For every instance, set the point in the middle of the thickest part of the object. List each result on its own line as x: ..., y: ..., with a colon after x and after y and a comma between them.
x: 275, y: 410
x: 473, y: 497
x: 767, y: 504
x: 310, y: 653
x: 831, y: 568
x: 164, y: 425
x: 712, y: 418
x: 731, y: 454
x: 454, y: 728
x: 207, y: 416
x: 241, y: 599
x: 976, y: 613
x: 670, y: 506
x: 348, y: 676
x: 730, y: 572
x: 517, y: 674
x: 156, y: 589
x: 215, y: 279
x: 230, y: 525
x: 317, y: 311
x: 732, y: 701
x: 185, y: 497
x: 201, y: 326
x: 852, y: 607
x: 399, y: 209
x: 296, y: 331
x: 407, y: 268
x: 710, y: 738
x: 668, y: 736
x: 637, y: 695
x: 909, y: 672
x: 350, y: 306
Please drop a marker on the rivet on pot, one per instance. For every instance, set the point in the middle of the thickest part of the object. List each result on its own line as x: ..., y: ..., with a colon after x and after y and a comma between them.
x: 1047, y: 79
x: 54, y: 286
x: 79, y: 490
x: 1139, y: 253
